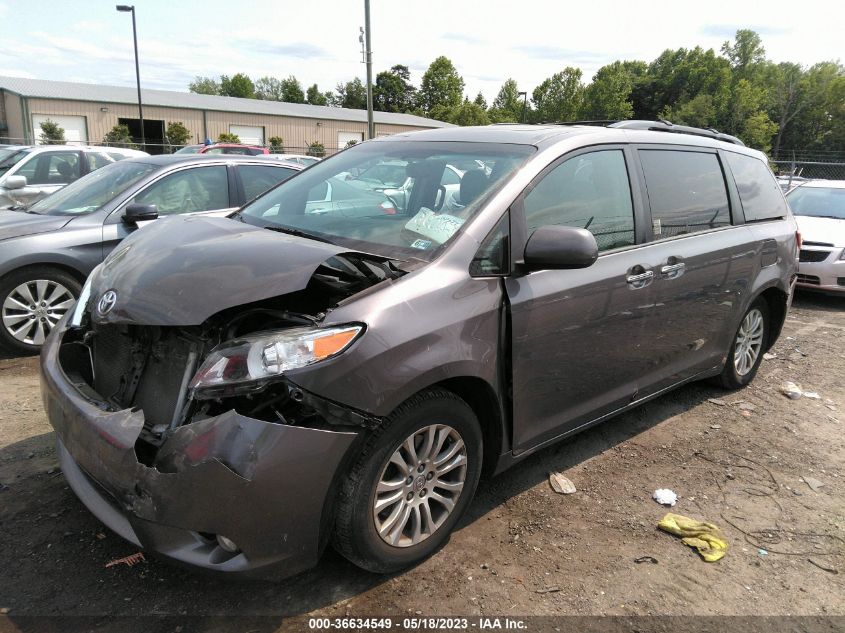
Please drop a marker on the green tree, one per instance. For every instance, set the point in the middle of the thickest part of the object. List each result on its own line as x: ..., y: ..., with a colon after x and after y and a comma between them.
x: 608, y: 96
x: 292, y: 90
x: 269, y: 89
x: 393, y: 91
x: 480, y: 100
x: 699, y: 111
x: 237, y: 86
x: 277, y: 144
x: 467, y: 113
x: 51, y: 133
x: 560, y: 97
x: 507, y: 106
x: 441, y: 89
x: 757, y: 131
x: 119, y: 136
x: 227, y: 137
x: 316, y: 148
x: 352, y: 94
x: 745, y: 54
x: 204, y: 86
x: 177, y: 134
x: 315, y: 97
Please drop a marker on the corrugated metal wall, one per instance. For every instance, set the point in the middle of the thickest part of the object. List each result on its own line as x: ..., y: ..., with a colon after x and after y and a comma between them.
x: 14, y: 119
x: 297, y: 132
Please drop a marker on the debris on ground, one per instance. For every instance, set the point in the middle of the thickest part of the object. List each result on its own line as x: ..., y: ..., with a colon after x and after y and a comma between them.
x: 705, y: 537
x: 812, y: 395
x: 768, y: 356
x: 747, y: 406
x: 718, y: 402
x: 791, y: 390
x: 762, y: 552
x: 716, y: 426
x: 561, y: 484
x: 129, y: 561
x: 646, y: 559
x: 823, y: 568
x: 813, y: 483
x: 665, y: 497
x: 548, y: 590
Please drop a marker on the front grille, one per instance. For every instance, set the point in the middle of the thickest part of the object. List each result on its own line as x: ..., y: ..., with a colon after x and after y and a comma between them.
x: 813, y: 256
x: 807, y: 243
x: 142, y: 368
x: 809, y: 279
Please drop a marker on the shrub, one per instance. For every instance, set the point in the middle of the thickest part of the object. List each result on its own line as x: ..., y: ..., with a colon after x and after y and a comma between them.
x: 277, y: 144
x: 226, y: 137
x: 177, y: 134
x: 51, y: 133
x: 119, y: 136
x: 351, y: 142
x: 316, y: 149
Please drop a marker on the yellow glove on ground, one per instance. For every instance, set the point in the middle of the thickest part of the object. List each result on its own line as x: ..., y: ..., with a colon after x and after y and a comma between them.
x: 704, y: 537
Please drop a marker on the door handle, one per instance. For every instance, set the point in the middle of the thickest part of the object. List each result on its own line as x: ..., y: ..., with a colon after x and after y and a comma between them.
x: 640, y: 280
x: 673, y: 270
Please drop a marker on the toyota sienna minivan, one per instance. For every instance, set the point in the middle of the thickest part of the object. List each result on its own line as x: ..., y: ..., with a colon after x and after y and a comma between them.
x: 237, y: 393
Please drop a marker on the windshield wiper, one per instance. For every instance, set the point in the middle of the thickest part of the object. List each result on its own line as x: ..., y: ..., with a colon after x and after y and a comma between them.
x: 297, y: 233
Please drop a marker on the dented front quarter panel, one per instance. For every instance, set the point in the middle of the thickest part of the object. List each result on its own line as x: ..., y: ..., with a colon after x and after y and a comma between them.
x: 263, y: 485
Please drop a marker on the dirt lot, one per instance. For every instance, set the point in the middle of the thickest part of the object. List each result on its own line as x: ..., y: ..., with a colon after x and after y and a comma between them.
x: 523, y: 549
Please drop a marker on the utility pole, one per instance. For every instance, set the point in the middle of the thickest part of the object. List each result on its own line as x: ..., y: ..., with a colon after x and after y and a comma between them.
x: 368, y: 54
x: 131, y: 9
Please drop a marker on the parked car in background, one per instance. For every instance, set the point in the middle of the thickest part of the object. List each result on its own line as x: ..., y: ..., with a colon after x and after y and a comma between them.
x: 224, y: 148
x: 819, y: 208
x: 47, y: 250
x: 307, y: 161
x: 31, y: 172
x: 252, y: 388
x: 787, y: 183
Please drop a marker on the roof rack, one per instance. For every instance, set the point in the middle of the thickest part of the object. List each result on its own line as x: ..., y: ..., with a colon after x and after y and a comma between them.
x: 662, y: 125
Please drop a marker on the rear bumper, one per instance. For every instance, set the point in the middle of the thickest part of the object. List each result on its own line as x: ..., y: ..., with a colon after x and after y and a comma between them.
x: 264, y: 486
x: 827, y: 276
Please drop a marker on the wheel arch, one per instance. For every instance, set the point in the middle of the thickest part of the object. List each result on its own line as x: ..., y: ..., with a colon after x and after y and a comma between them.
x: 57, y: 265
x: 778, y: 302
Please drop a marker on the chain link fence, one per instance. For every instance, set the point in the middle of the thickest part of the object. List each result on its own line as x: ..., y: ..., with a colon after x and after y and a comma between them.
x: 793, y: 172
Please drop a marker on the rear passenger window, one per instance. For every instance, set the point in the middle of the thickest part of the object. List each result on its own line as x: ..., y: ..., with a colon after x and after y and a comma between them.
x: 759, y: 192
x: 590, y: 191
x: 259, y: 178
x: 686, y: 191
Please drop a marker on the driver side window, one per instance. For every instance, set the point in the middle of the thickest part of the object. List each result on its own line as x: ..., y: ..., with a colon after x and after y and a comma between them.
x: 188, y: 191
x: 589, y: 191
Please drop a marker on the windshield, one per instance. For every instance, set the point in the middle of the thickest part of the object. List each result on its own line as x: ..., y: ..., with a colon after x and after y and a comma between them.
x: 189, y: 149
x: 10, y: 157
x: 94, y: 190
x: 389, y: 197
x: 820, y: 202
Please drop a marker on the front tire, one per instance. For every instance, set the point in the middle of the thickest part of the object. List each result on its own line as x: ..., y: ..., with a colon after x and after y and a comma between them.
x: 32, y: 301
x: 414, y: 479
x: 747, y: 349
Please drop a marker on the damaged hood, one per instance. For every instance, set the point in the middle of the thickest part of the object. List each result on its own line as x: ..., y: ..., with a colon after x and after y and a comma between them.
x: 182, y: 270
x: 19, y: 223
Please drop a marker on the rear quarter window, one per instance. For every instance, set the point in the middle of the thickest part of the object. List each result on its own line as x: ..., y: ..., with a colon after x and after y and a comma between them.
x: 759, y: 192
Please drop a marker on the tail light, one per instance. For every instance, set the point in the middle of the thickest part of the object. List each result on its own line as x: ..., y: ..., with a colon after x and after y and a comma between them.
x: 387, y: 208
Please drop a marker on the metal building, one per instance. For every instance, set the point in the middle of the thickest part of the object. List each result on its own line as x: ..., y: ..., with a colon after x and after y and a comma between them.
x: 88, y: 111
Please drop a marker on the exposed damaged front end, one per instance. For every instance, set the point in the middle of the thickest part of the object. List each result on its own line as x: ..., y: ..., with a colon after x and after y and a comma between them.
x: 189, y: 439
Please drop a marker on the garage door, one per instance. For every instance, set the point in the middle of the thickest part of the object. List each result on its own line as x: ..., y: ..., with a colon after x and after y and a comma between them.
x: 76, y: 131
x: 344, y: 137
x: 249, y: 134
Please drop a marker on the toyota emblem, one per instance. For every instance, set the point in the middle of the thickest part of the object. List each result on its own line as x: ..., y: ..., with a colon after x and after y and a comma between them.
x: 107, y: 302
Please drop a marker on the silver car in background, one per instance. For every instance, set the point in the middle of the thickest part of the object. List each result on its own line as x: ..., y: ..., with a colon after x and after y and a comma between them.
x: 819, y: 209
x: 29, y: 173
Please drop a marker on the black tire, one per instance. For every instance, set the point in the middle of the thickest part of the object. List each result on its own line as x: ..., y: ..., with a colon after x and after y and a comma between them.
x: 8, y: 315
x: 730, y: 378
x: 355, y: 534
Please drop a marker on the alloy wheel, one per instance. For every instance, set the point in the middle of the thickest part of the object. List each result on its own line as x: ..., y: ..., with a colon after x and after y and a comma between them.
x: 420, y: 485
x: 34, y: 308
x: 749, y: 342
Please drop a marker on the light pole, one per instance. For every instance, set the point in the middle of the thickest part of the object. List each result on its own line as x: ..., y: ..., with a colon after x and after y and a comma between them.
x: 524, y: 96
x: 131, y: 9
x: 371, y: 128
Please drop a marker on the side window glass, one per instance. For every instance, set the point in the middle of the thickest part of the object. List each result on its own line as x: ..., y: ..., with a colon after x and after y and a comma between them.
x: 54, y: 168
x: 759, y: 192
x: 493, y: 257
x: 686, y: 191
x: 259, y: 178
x: 188, y: 191
x: 590, y: 191
x: 97, y: 160
x: 450, y: 177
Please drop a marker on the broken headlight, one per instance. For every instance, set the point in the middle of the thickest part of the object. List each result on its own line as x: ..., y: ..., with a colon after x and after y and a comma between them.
x: 246, y: 363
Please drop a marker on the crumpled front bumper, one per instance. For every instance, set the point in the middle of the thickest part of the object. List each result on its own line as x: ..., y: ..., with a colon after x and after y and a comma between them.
x: 264, y: 486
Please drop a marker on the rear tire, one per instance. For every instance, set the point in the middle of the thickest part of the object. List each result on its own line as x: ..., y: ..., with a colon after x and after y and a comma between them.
x: 32, y: 301
x: 397, y: 506
x: 747, y: 348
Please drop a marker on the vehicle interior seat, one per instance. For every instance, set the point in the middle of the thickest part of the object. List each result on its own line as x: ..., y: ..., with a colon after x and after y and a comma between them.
x: 473, y: 183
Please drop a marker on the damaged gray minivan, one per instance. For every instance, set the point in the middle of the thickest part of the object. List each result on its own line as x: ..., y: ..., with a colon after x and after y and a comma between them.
x: 332, y: 365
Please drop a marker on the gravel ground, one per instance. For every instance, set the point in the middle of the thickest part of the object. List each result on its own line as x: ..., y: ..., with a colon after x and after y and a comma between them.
x: 739, y: 462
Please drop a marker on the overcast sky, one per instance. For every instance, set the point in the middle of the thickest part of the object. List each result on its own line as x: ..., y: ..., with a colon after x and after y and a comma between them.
x: 317, y: 40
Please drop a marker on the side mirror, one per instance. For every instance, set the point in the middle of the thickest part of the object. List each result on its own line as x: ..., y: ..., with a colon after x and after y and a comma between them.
x: 560, y: 247
x: 15, y: 182
x: 139, y: 213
